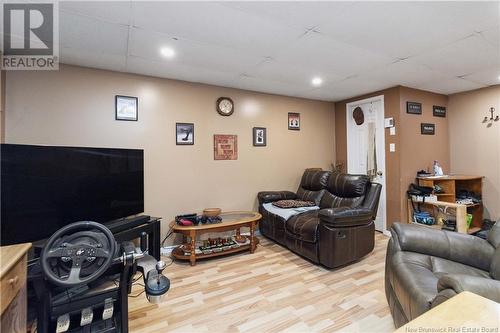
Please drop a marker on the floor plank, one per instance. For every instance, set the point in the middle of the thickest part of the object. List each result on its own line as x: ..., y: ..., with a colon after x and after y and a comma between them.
x: 272, y: 290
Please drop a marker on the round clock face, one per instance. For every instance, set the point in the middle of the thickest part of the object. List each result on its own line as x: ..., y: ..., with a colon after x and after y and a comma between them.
x: 225, y: 106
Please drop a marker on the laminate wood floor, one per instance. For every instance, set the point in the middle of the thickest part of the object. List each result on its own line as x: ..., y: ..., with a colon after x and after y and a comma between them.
x: 272, y: 290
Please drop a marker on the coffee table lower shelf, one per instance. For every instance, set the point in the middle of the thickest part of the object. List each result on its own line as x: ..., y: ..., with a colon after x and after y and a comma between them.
x: 178, y: 253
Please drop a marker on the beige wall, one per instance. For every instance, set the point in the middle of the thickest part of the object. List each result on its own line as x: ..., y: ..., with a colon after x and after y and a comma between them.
x: 419, y: 151
x: 75, y: 106
x: 474, y: 145
x: 413, y: 150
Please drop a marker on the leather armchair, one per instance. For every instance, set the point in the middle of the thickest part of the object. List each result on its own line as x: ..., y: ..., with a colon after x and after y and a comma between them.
x: 425, y: 267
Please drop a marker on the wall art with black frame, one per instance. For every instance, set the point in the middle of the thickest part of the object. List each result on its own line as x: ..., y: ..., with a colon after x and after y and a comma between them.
x: 294, y: 121
x: 184, y: 134
x: 427, y: 129
x: 126, y: 108
x: 259, y: 136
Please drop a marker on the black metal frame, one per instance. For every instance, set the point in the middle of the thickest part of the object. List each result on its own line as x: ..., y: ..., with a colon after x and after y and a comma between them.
x: 136, y: 107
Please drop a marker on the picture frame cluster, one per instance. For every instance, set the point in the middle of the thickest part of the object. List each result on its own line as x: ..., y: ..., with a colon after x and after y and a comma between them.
x: 225, y: 145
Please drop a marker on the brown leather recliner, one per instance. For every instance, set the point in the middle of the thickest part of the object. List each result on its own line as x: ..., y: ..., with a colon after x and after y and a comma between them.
x: 424, y: 267
x: 340, y: 231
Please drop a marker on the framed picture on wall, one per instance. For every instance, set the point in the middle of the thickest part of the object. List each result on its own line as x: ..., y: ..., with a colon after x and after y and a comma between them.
x: 259, y: 137
x: 413, y: 108
x: 427, y: 129
x: 184, y: 134
x: 126, y: 108
x: 439, y: 111
x: 225, y: 147
x: 293, y: 121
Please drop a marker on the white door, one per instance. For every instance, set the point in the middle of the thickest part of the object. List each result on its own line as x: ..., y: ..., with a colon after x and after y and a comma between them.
x: 366, y: 147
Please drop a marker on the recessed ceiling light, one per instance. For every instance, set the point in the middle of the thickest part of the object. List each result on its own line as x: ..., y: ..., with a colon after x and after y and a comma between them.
x: 167, y: 52
x: 317, y: 81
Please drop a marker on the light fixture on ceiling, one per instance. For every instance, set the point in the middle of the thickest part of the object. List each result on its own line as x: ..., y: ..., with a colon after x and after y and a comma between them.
x: 167, y: 52
x: 498, y: 77
x: 317, y: 81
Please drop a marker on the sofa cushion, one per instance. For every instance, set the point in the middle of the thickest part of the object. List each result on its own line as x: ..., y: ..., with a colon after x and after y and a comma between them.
x: 304, y: 226
x: 344, y: 191
x: 347, y: 186
x: 312, y: 185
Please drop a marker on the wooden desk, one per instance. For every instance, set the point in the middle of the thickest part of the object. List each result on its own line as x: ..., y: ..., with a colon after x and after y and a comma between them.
x: 466, y: 312
x: 13, y: 305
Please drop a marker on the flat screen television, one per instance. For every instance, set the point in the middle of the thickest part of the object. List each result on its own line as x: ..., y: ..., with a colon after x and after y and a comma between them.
x: 44, y: 188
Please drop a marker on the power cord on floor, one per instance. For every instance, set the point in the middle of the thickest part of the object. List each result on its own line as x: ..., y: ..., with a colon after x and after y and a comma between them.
x: 169, y: 233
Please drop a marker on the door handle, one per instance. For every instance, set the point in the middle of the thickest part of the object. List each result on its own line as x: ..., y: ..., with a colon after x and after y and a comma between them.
x: 379, y: 173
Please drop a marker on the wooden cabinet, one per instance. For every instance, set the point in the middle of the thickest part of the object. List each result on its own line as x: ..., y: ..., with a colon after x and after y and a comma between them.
x: 13, y: 261
x: 451, y: 185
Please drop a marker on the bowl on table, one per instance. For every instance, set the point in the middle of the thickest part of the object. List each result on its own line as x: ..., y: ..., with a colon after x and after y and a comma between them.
x: 211, y: 212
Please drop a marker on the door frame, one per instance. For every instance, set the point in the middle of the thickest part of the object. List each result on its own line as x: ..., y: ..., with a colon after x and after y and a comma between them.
x: 348, y: 134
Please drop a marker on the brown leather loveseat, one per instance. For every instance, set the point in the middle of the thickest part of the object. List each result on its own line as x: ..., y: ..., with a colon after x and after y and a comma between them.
x: 424, y: 267
x: 339, y: 231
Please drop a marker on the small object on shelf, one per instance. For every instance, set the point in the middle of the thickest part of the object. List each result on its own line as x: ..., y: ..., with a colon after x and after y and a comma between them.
x: 240, y: 239
x: 423, y: 218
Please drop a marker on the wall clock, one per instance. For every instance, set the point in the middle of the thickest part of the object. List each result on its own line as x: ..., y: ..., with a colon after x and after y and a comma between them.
x: 225, y: 106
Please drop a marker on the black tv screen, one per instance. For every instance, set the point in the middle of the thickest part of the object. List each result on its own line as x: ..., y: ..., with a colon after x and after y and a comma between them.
x: 44, y: 188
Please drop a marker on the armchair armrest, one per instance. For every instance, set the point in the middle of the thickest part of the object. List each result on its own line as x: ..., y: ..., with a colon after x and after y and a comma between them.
x: 465, y: 249
x: 271, y: 196
x: 456, y: 283
x: 345, y: 216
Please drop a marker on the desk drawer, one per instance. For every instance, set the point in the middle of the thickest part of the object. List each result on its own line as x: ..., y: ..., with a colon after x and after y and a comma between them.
x: 12, y: 282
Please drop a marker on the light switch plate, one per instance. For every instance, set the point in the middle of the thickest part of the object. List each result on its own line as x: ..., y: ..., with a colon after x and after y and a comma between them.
x: 388, y: 122
x: 392, y: 147
x: 392, y: 131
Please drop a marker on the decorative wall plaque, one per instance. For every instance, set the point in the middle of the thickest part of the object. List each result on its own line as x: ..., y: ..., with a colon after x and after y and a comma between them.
x: 413, y: 108
x: 439, y: 111
x: 427, y: 129
x: 225, y: 147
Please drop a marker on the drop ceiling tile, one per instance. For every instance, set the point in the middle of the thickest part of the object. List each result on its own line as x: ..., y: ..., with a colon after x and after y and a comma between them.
x: 450, y: 86
x: 403, y: 29
x: 89, y: 58
x: 299, y: 14
x: 147, y: 44
x: 487, y: 77
x: 331, y: 56
x: 93, y: 35
x: 110, y: 11
x: 492, y: 36
x: 179, y: 71
x: 214, y: 23
x: 357, y: 85
x: 404, y: 73
x: 466, y: 56
x: 267, y: 86
x: 301, y: 75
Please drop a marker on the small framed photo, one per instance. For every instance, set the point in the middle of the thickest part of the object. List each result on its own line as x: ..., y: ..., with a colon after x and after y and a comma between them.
x: 413, y: 108
x: 259, y: 137
x: 184, y: 134
x: 126, y: 108
x: 293, y: 121
x: 439, y: 111
x: 427, y: 129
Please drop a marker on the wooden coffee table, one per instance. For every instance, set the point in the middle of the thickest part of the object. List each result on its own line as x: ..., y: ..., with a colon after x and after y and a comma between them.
x: 230, y: 221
